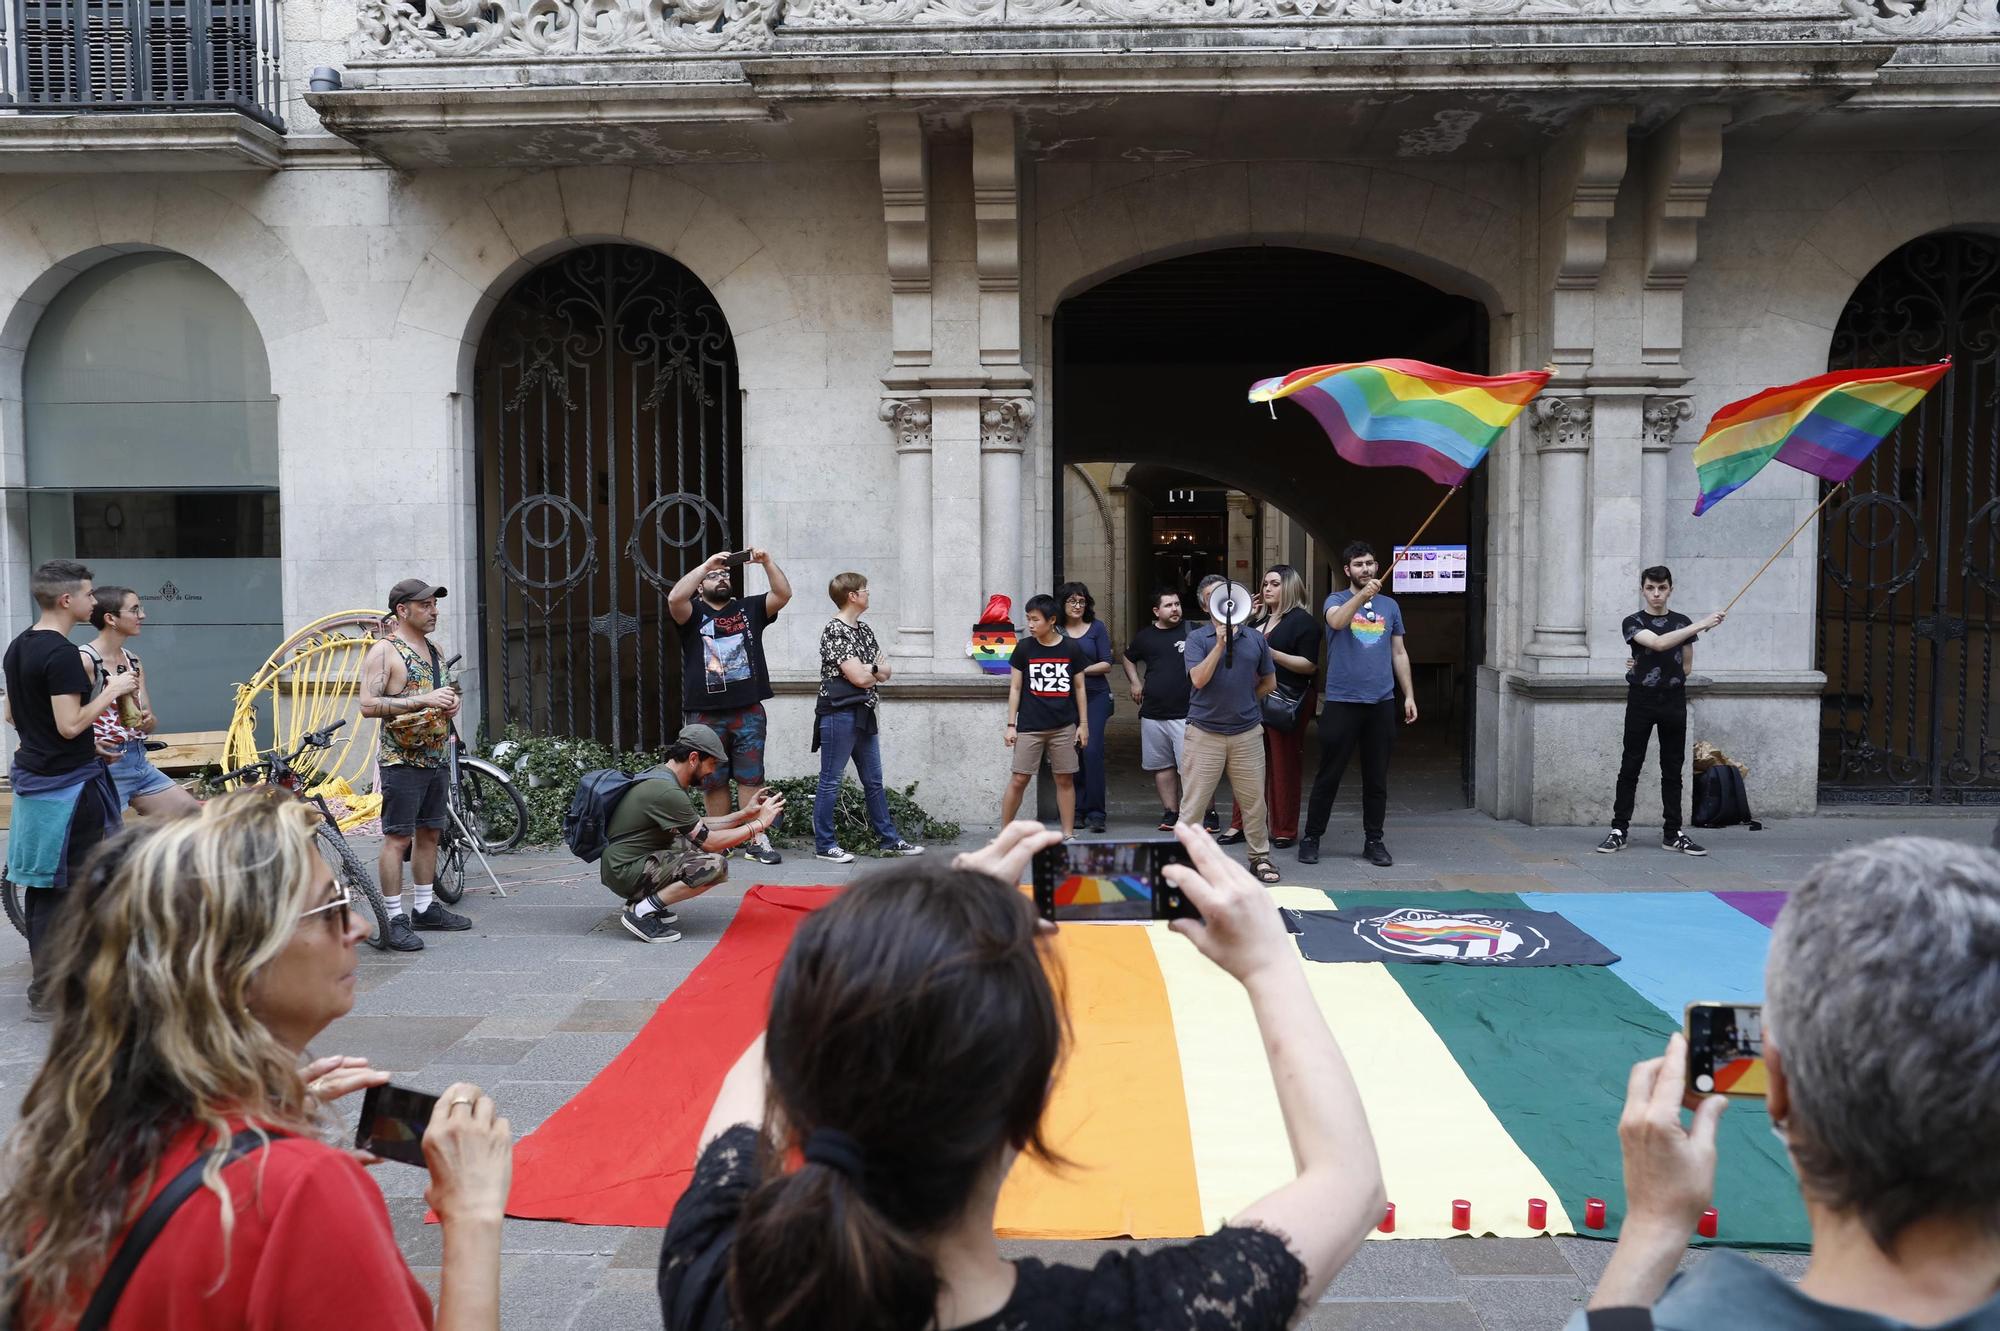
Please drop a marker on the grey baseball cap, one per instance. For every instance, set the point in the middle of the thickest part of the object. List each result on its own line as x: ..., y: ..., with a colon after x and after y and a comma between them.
x: 703, y: 740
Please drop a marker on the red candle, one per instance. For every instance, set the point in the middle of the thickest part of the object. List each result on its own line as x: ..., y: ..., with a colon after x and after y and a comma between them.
x: 1538, y: 1213
x: 1593, y: 1213
x: 1461, y: 1215
x: 1707, y: 1226
x: 1388, y: 1225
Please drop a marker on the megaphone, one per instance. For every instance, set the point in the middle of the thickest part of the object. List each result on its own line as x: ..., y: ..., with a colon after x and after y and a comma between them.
x: 1230, y: 603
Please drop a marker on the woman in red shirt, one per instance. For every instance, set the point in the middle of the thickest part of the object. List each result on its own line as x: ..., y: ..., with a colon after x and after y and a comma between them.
x: 197, y: 959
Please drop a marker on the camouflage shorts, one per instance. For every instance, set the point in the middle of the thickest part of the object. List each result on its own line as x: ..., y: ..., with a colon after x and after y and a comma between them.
x: 694, y: 868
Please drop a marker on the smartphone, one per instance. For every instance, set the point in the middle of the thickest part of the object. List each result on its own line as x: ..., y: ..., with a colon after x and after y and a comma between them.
x: 393, y: 1119
x: 1110, y: 880
x: 1725, y: 1049
x: 737, y: 560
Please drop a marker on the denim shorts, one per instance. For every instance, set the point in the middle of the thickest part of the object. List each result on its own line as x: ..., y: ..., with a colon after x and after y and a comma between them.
x: 135, y: 775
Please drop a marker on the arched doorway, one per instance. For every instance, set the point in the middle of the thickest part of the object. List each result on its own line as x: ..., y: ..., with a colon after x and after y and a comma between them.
x: 152, y: 457
x: 1910, y: 557
x: 610, y: 451
x: 1152, y: 368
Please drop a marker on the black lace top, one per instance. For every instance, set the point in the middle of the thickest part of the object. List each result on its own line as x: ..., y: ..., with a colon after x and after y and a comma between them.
x: 1236, y: 1279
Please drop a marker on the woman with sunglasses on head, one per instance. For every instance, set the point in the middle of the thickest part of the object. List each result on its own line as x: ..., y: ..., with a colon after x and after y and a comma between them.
x: 118, y: 617
x: 851, y: 1166
x: 1078, y: 611
x: 195, y: 961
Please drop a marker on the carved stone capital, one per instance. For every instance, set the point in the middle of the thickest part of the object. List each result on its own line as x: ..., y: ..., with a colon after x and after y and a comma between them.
x: 1003, y: 424
x: 1663, y: 417
x: 909, y: 419
x: 1562, y: 424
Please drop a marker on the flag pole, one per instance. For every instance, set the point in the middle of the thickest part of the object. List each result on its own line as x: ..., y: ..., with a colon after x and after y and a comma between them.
x: 1397, y: 557
x: 1788, y: 541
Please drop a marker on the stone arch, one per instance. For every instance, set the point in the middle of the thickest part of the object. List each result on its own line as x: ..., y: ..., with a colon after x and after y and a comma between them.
x: 1410, y: 218
x: 532, y: 218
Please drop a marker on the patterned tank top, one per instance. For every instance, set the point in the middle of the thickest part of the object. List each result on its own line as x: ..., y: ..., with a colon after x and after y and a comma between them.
x: 415, y: 739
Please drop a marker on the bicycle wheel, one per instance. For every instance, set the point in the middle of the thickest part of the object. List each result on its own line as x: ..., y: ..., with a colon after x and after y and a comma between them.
x: 452, y: 855
x: 10, y: 896
x: 494, y: 812
x: 354, y: 875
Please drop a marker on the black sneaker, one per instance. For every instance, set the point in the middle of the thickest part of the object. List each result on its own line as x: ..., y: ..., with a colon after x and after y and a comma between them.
x: 1377, y: 854
x: 1168, y: 817
x: 1097, y: 825
x: 655, y: 928
x: 1308, y: 850
x: 401, y: 938
x: 435, y: 917
x: 1212, y: 821
x: 762, y: 851
x: 1613, y: 842
x: 1680, y: 843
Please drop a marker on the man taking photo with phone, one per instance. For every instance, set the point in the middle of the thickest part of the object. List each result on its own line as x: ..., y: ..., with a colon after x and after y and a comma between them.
x: 724, y: 680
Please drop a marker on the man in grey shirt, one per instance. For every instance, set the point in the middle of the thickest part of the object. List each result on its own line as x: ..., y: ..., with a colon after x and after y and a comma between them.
x: 1225, y: 725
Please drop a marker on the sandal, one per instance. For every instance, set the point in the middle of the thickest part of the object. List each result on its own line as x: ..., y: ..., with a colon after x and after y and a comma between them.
x: 1266, y: 871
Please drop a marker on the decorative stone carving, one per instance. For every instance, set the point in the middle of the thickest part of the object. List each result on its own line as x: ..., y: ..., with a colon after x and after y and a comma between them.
x: 910, y: 419
x: 906, y: 194
x: 1561, y: 424
x: 1926, y: 18
x: 1003, y: 424
x: 457, y: 28
x: 996, y: 197
x: 929, y: 13
x: 1663, y: 417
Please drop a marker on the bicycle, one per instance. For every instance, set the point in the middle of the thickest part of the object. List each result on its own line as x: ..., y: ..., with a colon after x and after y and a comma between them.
x: 486, y: 815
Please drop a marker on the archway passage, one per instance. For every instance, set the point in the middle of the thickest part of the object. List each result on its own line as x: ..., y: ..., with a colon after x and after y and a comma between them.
x: 1152, y: 368
x: 1910, y: 556
x: 610, y: 451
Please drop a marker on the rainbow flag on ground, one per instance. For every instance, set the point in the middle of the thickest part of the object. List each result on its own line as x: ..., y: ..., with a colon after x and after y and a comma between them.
x: 1405, y: 413
x: 1826, y: 425
x: 1482, y: 1083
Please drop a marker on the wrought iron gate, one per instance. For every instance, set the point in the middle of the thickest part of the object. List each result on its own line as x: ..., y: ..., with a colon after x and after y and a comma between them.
x: 1909, y: 582
x: 611, y: 452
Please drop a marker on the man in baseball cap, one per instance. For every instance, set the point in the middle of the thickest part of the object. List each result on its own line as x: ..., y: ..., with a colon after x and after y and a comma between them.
x: 659, y: 850
x: 413, y: 589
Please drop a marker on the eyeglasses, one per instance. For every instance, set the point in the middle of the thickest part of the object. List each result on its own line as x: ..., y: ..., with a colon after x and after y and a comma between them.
x: 342, y: 904
x: 1078, y: 600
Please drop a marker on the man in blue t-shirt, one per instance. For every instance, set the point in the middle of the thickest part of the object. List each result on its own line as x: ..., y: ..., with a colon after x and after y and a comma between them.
x: 1229, y: 670
x: 1365, y: 663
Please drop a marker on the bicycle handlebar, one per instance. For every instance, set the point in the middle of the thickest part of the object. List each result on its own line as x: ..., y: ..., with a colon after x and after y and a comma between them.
x: 312, y: 739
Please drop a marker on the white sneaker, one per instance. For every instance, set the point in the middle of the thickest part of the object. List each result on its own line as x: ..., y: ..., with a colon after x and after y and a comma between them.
x: 835, y: 856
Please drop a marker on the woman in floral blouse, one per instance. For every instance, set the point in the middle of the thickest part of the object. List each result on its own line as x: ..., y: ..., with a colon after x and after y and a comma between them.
x: 844, y: 726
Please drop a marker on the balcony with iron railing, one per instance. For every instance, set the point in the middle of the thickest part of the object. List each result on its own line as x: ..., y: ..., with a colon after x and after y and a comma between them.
x: 126, y: 63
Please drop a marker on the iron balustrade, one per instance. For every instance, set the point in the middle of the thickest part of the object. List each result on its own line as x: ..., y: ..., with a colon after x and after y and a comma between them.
x: 143, y: 55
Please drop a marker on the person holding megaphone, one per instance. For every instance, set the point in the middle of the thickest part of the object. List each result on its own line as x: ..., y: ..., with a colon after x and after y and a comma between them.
x: 1229, y: 670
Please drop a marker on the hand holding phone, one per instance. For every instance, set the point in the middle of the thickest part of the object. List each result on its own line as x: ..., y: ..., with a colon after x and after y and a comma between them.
x: 1725, y: 1049
x: 393, y: 1119
x: 1087, y: 881
x: 738, y: 559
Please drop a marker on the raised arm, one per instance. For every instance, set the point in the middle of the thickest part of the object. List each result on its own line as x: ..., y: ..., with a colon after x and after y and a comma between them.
x: 73, y: 715
x: 1202, y: 671
x: 1327, y: 1210
x: 1343, y: 614
x: 680, y: 600
x: 780, y: 594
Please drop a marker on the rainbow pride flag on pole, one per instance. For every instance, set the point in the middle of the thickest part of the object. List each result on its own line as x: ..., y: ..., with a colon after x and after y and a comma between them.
x: 1826, y: 425
x: 1405, y: 413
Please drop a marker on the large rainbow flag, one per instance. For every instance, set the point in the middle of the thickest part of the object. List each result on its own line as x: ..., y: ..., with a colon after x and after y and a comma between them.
x: 1405, y: 413
x: 1826, y: 425
x: 1486, y: 1084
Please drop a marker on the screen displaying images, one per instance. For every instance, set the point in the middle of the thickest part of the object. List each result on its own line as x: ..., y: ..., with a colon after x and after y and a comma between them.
x: 1428, y: 568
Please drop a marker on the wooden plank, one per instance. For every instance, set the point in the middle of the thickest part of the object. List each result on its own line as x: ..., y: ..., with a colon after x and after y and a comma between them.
x: 189, y: 750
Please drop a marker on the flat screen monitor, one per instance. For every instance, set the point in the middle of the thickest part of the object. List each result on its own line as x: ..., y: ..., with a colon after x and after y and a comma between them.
x: 1422, y: 569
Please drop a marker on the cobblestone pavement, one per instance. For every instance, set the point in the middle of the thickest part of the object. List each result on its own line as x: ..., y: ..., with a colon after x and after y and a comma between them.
x: 546, y: 989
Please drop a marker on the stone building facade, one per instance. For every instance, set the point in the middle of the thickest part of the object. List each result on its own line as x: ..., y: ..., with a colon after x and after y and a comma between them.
x: 794, y: 273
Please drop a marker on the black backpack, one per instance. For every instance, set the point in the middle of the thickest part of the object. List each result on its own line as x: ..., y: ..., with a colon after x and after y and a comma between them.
x: 587, y: 824
x: 1721, y: 799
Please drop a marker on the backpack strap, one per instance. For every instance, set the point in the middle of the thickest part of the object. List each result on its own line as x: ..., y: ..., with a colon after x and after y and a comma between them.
x: 97, y: 1315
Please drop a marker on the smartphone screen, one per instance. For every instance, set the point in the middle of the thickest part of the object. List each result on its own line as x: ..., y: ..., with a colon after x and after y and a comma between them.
x: 1725, y: 1049
x: 1110, y: 880
x: 392, y: 1125
x: 737, y: 560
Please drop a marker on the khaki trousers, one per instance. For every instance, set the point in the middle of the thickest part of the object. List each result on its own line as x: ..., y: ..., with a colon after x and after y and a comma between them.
x: 1206, y: 758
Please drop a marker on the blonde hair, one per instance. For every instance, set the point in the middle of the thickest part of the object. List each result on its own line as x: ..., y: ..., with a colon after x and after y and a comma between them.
x: 161, y: 941
x: 843, y: 586
x: 1291, y: 589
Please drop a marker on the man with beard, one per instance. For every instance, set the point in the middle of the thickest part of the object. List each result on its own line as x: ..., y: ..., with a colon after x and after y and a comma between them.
x: 1162, y: 698
x: 403, y: 683
x: 724, y: 680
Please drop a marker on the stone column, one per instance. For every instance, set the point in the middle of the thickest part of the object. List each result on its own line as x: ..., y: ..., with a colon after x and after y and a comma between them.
x: 1562, y: 432
x: 910, y: 421
x: 1662, y: 421
x: 1003, y: 432
x: 957, y: 564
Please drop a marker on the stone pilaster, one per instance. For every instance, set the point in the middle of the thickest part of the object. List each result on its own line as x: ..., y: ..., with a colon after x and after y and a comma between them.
x: 906, y: 186
x: 1561, y: 427
x: 1003, y: 434
x: 910, y: 422
x: 996, y: 200
x: 1662, y: 421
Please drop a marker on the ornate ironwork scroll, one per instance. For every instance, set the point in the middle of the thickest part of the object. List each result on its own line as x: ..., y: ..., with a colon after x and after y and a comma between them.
x: 1908, y: 586
x: 610, y: 450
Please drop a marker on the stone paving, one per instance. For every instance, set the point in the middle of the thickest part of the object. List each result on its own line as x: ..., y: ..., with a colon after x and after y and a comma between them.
x: 547, y: 989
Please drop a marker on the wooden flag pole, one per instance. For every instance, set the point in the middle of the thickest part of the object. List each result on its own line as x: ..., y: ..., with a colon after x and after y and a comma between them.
x: 1397, y: 558
x: 1781, y: 549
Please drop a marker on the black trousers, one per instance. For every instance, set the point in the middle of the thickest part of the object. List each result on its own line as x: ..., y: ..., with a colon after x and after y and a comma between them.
x: 1643, y: 715
x: 1343, y: 727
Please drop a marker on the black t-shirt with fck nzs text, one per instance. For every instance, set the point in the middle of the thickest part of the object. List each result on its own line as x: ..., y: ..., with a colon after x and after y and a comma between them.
x: 1050, y: 677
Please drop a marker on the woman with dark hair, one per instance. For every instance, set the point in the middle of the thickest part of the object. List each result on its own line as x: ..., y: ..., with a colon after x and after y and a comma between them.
x: 911, y: 1050
x: 1079, y: 619
x: 118, y: 616
x: 1292, y: 633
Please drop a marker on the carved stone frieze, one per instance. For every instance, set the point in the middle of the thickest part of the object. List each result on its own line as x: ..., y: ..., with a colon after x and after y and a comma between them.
x: 1926, y: 18
x: 1561, y: 424
x: 458, y: 28
x: 1003, y: 424
x: 909, y: 419
x: 1663, y: 417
